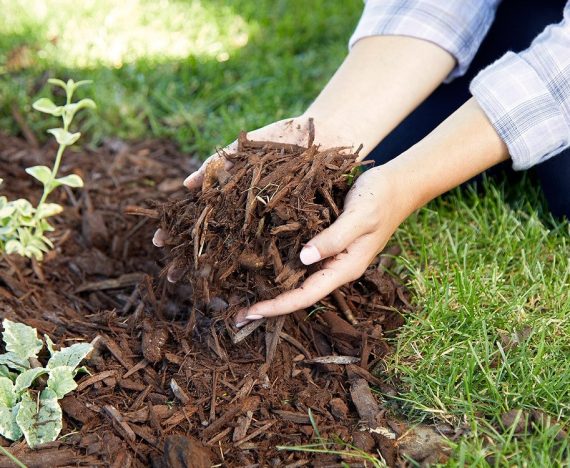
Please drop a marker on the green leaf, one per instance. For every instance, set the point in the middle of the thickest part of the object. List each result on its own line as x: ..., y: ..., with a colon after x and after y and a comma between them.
x: 8, y: 426
x: 46, y: 106
x: 6, y: 230
x: 49, y: 344
x: 72, y: 85
x: 4, y: 372
x: 56, y: 82
x: 42, y: 173
x: 83, y: 104
x: 14, y: 246
x: 7, y: 210
x: 63, y: 137
x: 8, y: 396
x: 23, y: 206
x: 14, y: 362
x: 21, y: 340
x: 26, y: 378
x: 61, y: 380
x: 71, y: 356
x: 41, y: 420
x: 71, y: 180
x: 46, y: 210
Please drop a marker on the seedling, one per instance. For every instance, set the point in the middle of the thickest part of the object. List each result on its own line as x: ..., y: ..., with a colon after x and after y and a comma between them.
x: 23, y: 226
x: 28, y: 400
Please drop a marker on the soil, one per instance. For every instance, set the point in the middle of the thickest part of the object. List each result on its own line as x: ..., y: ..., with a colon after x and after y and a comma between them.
x: 173, y: 383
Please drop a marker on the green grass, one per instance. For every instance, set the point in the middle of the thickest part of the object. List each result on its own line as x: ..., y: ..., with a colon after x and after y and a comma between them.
x: 481, y: 266
x: 195, y: 71
x: 486, y: 272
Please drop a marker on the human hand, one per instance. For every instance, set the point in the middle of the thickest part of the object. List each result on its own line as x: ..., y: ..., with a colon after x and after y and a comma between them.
x: 291, y: 131
x: 374, y: 208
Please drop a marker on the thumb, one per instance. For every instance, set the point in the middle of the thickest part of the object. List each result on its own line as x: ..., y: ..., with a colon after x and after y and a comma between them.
x: 333, y: 240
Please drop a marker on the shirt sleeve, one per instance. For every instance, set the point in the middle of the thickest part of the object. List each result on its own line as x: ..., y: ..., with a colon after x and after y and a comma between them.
x: 457, y: 26
x: 527, y: 96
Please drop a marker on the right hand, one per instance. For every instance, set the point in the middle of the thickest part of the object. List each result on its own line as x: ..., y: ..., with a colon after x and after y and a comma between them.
x: 292, y: 131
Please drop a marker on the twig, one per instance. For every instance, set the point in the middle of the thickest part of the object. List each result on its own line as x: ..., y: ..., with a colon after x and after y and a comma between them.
x: 344, y: 307
x: 255, y: 433
x: 247, y: 330
x: 140, y: 211
x: 278, y: 326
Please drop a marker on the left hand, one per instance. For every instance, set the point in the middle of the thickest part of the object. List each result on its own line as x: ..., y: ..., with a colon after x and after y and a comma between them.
x: 373, y: 210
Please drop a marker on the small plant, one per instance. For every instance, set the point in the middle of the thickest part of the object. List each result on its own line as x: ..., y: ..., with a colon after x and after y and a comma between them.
x: 23, y: 226
x: 28, y: 400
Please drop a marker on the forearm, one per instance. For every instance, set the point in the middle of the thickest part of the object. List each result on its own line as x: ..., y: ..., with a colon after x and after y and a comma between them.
x: 382, y: 80
x: 464, y: 145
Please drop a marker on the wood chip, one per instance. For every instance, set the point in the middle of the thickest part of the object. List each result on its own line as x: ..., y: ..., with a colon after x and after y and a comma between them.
x: 179, y: 392
x: 128, y: 279
x: 95, y: 378
x: 343, y: 360
x: 121, y: 426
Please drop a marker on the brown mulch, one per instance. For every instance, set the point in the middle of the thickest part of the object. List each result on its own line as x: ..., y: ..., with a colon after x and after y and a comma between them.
x: 239, y: 237
x: 171, y: 385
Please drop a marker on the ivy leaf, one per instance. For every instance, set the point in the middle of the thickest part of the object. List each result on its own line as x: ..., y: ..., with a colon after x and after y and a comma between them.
x: 83, y: 104
x: 14, y: 246
x: 56, y: 82
x: 7, y: 395
x: 61, y: 380
x: 4, y: 372
x: 41, y: 420
x: 6, y: 210
x: 21, y: 340
x: 15, y: 362
x: 46, y: 106
x: 48, y: 209
x: 42, y: 173
x: 23, y: 206
x: 8, y: 426
x: 71, y: 180
x: 70, y: 357
x: 49, y: 344
x: 26, y: 378
x: 63, y: 137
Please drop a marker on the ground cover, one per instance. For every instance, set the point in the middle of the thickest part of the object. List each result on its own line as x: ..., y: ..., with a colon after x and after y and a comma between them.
x: 482, y: 267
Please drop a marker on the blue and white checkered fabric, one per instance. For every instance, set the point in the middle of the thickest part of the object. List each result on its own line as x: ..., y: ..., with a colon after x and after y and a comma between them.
x: 525, y: 95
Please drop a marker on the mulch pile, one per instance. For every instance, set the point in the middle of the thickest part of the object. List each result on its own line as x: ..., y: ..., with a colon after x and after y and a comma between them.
x: 239, y: 237
x: 172, y: 384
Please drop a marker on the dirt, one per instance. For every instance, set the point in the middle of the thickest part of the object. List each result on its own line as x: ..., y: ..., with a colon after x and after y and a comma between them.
x: 173, y: 383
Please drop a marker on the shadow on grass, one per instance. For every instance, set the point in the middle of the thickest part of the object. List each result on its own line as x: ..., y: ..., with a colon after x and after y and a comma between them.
x: 201, y: 100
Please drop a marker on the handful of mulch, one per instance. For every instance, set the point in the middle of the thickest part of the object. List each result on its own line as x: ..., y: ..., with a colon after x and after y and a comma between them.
x: 239, y: 237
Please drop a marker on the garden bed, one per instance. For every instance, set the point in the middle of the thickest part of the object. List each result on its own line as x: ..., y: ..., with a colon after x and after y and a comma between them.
x: 171, y: 386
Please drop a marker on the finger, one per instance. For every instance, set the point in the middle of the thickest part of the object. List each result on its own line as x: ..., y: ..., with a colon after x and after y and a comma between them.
x: 174, y: 273
x: 344, y: 268
x: 335, y: 239
x: 194, y: 180
x: 160, y: 237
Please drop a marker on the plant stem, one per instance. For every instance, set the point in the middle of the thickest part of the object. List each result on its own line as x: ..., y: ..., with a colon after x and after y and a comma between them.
x: 58, y: 157
x: 12, y: 457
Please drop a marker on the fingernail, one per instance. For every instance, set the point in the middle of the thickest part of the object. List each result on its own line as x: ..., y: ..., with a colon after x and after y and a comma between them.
x: 242, y: 323
x: 156, y: 240
x: 188, y: 181
x: 309, y: 255
x: 254, y: 317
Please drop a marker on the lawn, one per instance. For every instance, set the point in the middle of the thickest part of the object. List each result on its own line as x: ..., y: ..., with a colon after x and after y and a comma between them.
x: 490, y: 271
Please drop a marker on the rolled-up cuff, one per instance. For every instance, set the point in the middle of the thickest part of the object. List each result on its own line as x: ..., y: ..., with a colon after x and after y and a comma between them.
x: 457, y: 26
x: 522, y: 110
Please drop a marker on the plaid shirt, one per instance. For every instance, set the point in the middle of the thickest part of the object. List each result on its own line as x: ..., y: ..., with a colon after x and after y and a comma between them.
x: 526, y: 96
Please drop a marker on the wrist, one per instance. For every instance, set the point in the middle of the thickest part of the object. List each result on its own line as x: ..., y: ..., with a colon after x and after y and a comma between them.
x: 329, y: 131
